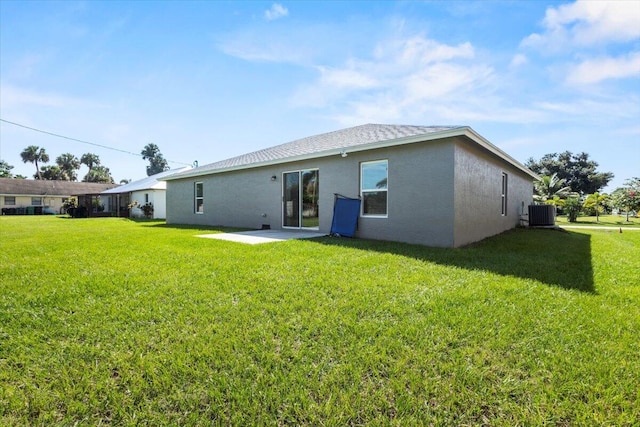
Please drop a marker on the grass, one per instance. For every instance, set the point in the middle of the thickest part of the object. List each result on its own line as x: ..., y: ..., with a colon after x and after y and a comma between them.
x: 115, y: 322
x: 602, y: 220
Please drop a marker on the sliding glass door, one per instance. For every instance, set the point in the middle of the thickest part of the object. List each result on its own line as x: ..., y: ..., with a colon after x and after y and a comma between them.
x: 300, y: 198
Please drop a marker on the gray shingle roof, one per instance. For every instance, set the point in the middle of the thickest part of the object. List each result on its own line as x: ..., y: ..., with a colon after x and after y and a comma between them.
x: 36, y: 187
x: 316, y: 145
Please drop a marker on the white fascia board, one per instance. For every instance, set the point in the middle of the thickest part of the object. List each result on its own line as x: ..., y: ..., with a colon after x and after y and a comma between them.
x: 327, y: 153
x: 484, y: 143
x: 450, y: 133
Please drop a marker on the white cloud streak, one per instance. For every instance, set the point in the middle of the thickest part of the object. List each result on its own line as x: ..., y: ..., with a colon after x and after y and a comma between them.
x: 403, y: 79
x: 276, y: 11
x: 598, y: 69
x: 585, y: 23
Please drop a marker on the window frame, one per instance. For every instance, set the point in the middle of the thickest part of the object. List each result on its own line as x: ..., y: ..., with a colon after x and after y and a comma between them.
x: 36, y: 199
x: 197, y: 198
x: 10, y: 200
x: 363, y: 190
x: 504, y: 190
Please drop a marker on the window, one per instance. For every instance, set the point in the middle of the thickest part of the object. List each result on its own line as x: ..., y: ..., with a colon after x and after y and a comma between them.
x: 36, y: 201
x: 9, y: 200
x: 199, y: 198
x: 504, y: 194
x: 373, y: 188
x: 146, y: 197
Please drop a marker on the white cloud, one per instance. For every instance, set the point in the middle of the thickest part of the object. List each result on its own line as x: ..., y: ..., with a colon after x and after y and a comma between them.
x: 518, y: 60
x: 417, y: 51
x: 346, y: 78
x: 400, y: 72
x: 585, y: 23
x: 275, y: 12
x: 591, y: 109
x: 598, y: 69
x: 442, y: 79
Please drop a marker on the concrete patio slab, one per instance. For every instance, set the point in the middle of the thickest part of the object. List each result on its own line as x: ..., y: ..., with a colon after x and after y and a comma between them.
x: 255, y: 237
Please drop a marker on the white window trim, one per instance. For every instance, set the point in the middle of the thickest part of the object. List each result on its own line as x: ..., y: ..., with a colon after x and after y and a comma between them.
x: 196, y: 198
x: 362, y: 214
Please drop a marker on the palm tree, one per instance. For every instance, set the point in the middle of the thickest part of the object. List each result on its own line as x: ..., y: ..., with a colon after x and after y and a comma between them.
x: 550, y: 186
x: 35, y: 154
x: 595, y: 201
x: 52, y: 173
x: 68, y: 164
x: 91, y: 160
x: 157, y: 162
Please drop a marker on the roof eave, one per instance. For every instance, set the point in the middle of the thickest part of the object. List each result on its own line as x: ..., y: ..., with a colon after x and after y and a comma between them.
x: 328, y: 153
x: 484, y: 143
x: 449, y: 133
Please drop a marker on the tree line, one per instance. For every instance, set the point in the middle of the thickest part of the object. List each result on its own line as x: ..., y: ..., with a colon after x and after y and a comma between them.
x: 67, y: 165
x: 573, y: 183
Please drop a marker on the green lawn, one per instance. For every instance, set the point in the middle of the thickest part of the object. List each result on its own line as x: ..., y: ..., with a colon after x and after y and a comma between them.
x: 115, y: 322
x: 602, y: 220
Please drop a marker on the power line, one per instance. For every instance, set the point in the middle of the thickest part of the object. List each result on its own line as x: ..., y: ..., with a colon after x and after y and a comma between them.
x: 80, y: 140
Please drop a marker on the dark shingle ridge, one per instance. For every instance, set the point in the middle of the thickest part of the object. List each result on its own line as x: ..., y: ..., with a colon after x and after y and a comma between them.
x: 50, y: 187
x: 335, y: 140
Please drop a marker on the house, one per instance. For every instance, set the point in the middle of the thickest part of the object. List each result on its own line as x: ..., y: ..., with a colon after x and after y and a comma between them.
x: 147, y: 190
x: 443, y: 186
x: 33, y: 196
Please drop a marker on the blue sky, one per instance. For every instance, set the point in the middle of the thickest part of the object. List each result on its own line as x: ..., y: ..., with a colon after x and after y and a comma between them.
x: 207, y: 81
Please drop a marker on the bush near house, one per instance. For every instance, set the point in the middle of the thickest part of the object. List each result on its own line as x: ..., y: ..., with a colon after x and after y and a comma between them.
x: 154, y: 326
x: 147, y: 208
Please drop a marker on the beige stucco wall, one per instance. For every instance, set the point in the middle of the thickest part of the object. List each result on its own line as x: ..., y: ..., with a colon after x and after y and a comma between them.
x: 53, y: 202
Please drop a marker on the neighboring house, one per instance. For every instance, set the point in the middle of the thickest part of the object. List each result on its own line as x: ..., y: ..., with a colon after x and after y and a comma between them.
x: 146, y: 190
x: 28, y: 196
x: 430, y: 185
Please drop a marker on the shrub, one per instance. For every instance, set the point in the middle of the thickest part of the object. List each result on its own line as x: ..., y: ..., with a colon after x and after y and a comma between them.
x: 572, y: 207
x: 147, y: 208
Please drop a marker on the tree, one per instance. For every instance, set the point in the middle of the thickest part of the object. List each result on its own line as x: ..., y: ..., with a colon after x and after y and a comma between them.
x: 549, y: 188
x: 99, y: 174
x: 157, y: 162
x: 91, y: 160
x: 627, y: 197
x: 594, y: 203
x: 572, y: 206
x: 68, y: 164
x: 5, y: 169
x: 51, y: 173
x: 35, y: 154
x: 577, y: 170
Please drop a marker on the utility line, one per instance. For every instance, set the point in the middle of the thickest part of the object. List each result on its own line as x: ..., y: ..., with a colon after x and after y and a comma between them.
x: 84, y: 142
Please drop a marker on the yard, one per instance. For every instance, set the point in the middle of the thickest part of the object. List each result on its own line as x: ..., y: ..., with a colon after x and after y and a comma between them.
x: 601, y: 221
x: 117, y: 322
